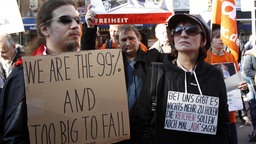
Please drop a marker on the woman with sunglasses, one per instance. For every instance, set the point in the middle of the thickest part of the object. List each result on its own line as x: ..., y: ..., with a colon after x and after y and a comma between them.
x: 191, y: 94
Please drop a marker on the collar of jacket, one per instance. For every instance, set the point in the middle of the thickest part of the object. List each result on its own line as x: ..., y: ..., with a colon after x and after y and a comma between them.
x: 140, y: 58
x: 141, y: 62
x: 37, y: 52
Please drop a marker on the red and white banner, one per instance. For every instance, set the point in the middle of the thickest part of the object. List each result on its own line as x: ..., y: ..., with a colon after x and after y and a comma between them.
x: 152, y: 18
x: 131, y: 11
x: 224, y: 14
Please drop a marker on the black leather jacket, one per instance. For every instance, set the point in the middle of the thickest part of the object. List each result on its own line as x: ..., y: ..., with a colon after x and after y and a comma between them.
x: 13, y: 110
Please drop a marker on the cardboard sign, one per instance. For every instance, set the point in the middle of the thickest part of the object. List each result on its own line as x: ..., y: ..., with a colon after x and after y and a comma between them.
x: 131, y: 11
x: 191, y: 113
x: 77, y: 97
x: 10, y: 18
x: 235, y: 100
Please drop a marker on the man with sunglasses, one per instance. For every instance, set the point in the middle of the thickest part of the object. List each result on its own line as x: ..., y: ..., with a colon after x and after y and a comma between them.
x: 181, y: 112
x: 58, y: 27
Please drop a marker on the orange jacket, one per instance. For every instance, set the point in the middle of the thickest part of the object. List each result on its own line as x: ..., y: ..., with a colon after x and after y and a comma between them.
x: 227, y: 57
x: 113, y: 45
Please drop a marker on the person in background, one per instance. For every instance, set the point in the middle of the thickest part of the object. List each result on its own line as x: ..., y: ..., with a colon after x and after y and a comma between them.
x: 249, y: 44
x: 217, y: 55
x: 9, y: 53
x: 249, y: 72
x: 243, y: 113
x: 111, y: 42
x: 240, y: 45
x: 136, y: 63
x: 58, y: 25
x: 89, y: 33
x: 184, y: 71
x: 98, y: 43
x: 162, y: 34
x: 135, y: 60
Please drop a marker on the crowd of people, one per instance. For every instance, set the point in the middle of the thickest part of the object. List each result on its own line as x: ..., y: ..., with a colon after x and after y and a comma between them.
x: 188, y: 52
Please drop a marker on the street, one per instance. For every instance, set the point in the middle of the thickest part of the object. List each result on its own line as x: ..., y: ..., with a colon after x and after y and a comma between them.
x: 242, y: 132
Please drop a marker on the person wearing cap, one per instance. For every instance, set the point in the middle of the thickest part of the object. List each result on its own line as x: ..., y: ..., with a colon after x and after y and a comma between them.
x: 185, y: 82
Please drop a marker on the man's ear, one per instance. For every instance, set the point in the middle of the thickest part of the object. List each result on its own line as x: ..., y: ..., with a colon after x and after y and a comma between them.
x: 44, y: 30
x: 203, y: 43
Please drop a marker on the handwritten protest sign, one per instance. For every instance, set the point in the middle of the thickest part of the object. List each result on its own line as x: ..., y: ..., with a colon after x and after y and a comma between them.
x: 77, y: 97
x: 131, y: 11
x: 191, y: 113
x: 10, y: 18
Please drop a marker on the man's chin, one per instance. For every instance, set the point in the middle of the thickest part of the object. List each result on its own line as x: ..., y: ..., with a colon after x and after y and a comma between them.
x: 72, y: 46
x: 131, y: 53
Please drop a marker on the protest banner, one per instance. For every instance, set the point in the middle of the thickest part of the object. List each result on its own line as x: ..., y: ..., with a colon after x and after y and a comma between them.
x: 224, y: 14
x: 77, y: 97
x: 10, y: 18
x: 131, y: 11
x: 191, y: 113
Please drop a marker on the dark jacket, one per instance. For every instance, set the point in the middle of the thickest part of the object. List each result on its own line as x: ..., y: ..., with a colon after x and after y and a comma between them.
x: 141, y: 67
x: 88, y: 37
x: 13, y: 108
x: 143, y: 61
x: 5, y: 73
x: 211, y: 84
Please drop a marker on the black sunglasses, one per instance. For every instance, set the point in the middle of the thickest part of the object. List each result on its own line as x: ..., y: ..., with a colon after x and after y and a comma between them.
x: 190, y: 30
x: 66, y: 19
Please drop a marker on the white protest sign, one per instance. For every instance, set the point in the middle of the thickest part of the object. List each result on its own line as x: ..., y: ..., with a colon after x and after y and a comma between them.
x: 77, y: 97
x: 233, y: 81
x: 235, y: 100
x: 10, y: 18
x: 191, y: 113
